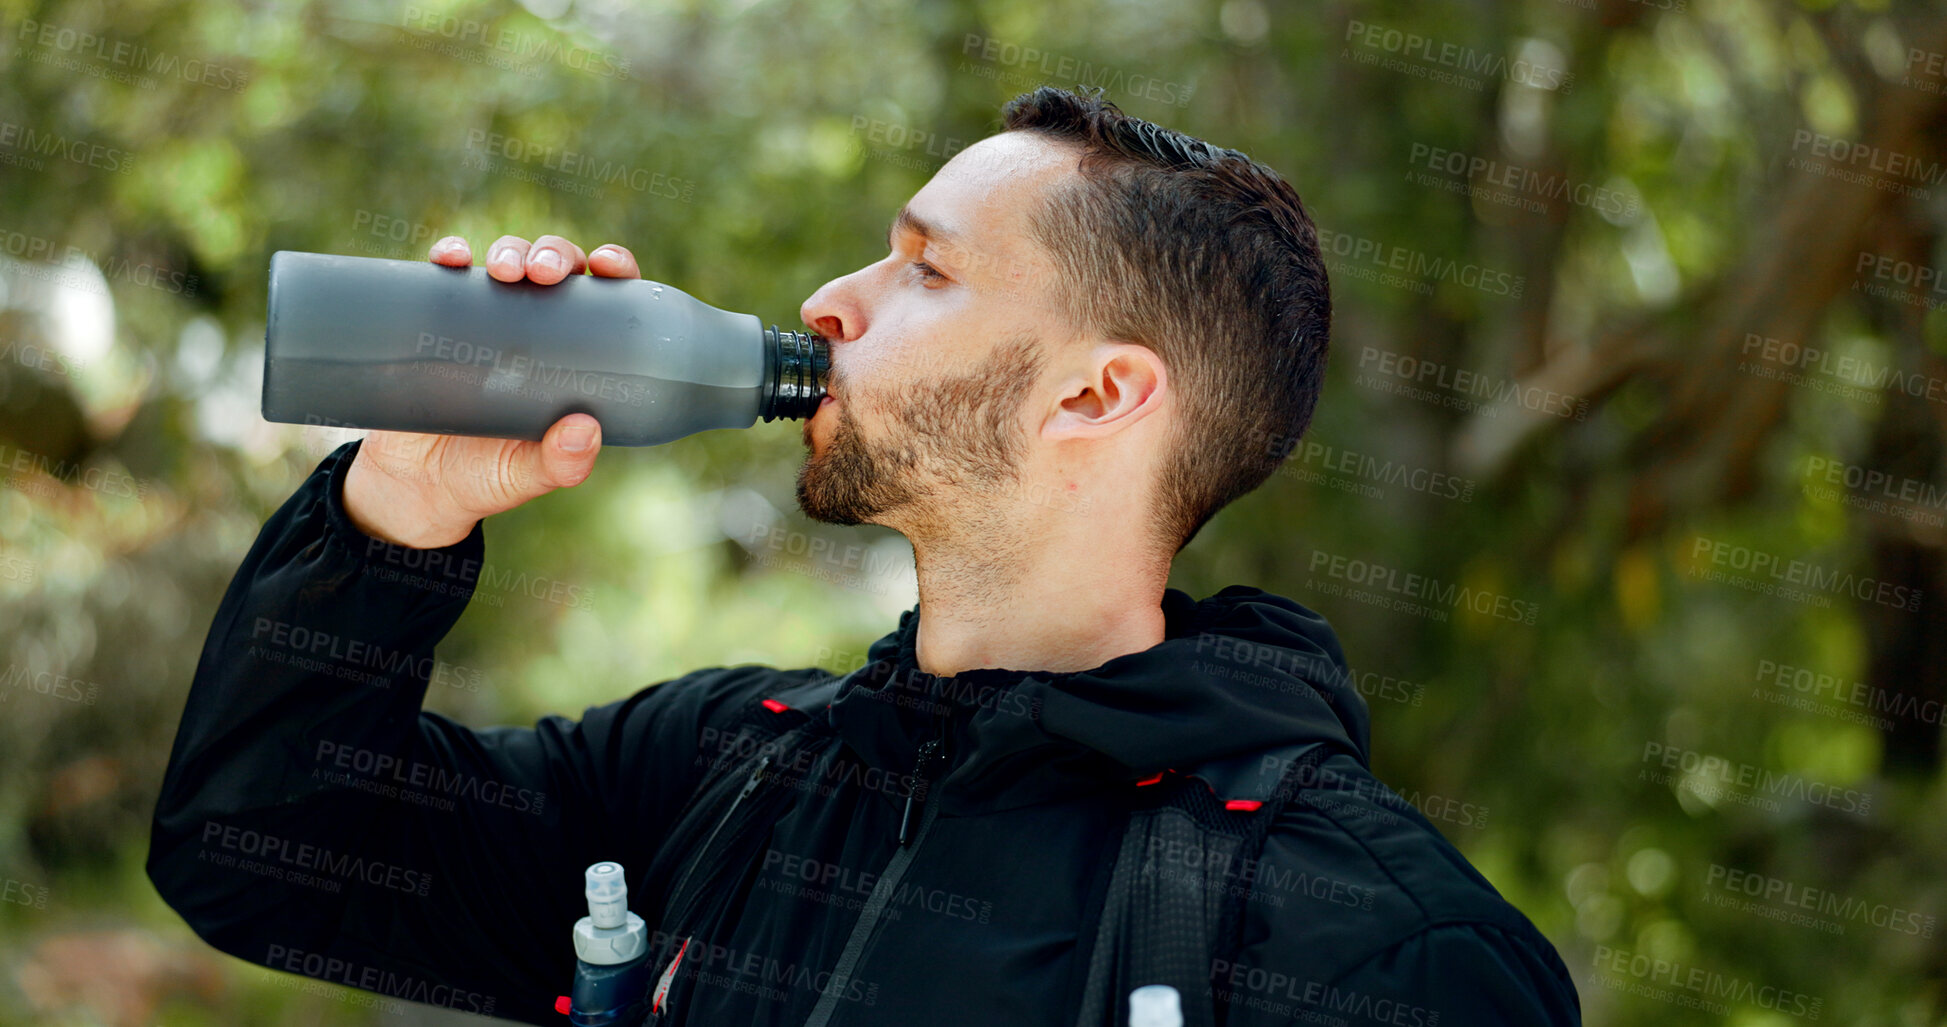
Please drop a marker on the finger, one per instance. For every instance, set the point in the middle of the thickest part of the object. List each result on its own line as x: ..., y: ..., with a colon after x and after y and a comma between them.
x: 507, y: 258
x: 554, y: 258
x: 554, y: 464
x: 612, y: 261
x: 452, y: 251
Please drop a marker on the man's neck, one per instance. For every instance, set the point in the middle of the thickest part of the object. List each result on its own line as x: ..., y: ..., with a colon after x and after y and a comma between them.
x: 999, y: 607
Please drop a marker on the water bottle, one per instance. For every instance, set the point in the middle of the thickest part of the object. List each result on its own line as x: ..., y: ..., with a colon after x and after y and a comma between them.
x: 1155, y: 1005
x: 402, y: 345
x: 611, y: 955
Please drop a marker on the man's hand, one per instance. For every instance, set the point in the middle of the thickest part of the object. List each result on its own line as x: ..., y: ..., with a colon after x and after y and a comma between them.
x: 427, y: 491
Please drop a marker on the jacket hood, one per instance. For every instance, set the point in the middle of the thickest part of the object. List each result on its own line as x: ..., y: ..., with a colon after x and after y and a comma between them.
x: 1237, y: 673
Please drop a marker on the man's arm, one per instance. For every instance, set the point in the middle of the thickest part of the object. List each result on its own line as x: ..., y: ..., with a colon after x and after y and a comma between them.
x: 1360, y: 910
x: 1464, y: 974
x: 313, y: 819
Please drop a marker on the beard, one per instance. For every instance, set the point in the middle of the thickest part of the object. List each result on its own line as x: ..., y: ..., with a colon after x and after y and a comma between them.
x: 959, y: 433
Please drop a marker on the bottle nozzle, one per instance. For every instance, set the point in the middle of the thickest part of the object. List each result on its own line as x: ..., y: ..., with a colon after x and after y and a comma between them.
x: 799, y: 363
x: 608, y: 895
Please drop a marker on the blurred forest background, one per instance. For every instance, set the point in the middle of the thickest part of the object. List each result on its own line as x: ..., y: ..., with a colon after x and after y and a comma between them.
x: 1637, y: 331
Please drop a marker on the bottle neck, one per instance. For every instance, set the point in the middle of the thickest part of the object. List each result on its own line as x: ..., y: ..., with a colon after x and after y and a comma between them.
x: 799, y: 363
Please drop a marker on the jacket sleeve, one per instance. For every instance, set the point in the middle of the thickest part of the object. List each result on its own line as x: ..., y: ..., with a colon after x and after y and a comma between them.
x: 313, y: 819
x: 1470, y: 973
x: 1447, y: 975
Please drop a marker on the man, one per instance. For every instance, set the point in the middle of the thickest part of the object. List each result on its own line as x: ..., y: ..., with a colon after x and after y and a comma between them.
x: 1089, y: 334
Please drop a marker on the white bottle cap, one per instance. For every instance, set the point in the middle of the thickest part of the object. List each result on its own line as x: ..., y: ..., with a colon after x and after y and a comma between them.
x: 1155, y: 1005
x: 608, y: 895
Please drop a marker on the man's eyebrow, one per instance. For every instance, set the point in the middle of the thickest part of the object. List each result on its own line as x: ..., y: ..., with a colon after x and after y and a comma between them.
x: 908, y: 221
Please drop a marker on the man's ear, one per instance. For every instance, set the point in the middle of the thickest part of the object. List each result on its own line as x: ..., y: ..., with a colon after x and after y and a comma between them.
x: 1117, y: 385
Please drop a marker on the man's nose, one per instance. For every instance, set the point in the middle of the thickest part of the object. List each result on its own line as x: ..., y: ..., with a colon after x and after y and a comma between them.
x: 834, y: 310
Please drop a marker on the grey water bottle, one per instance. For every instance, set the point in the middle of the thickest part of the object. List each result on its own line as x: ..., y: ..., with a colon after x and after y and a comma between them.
x: 414, y: 346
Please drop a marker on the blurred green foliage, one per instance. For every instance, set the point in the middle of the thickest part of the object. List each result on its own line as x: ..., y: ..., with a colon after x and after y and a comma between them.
x: 1679, y: 195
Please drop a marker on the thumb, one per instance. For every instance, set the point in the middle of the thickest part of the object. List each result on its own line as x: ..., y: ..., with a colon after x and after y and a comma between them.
x: 566, y: 454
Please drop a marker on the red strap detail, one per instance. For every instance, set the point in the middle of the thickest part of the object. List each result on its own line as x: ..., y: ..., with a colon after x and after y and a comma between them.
x: 1150, y: 780
x: 669, y: 975
x: 563, y: 1005
x: 775, y: 706
x: 1244, y: 805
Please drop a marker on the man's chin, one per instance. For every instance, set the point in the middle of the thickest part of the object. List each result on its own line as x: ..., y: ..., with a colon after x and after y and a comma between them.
x: 823, y: 500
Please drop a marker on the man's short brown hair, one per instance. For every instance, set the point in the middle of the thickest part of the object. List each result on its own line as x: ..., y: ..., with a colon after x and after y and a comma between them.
x: 1207, y: 257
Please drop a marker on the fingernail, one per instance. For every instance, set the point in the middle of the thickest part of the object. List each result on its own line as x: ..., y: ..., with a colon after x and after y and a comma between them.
x: 576, y: 437
x: 501, y: 255
x: 607, y: 251
x: 550, y: 260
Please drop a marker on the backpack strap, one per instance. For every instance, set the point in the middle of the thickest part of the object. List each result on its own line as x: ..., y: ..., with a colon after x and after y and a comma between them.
x: 1175, y: 901
x: 809, y: 698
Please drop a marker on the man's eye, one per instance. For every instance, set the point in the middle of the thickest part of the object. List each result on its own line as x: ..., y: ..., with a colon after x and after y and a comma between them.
x: 926, y: 271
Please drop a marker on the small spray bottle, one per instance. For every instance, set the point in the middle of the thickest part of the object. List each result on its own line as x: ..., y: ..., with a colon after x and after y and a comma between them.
x: 611, y: 955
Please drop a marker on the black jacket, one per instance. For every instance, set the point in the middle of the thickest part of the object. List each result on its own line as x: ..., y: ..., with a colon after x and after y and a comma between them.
x: 314, y: 819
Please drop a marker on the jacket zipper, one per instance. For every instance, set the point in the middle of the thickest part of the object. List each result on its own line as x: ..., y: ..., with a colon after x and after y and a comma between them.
x: 925, y: 767
x: 750, y: 785
x: 756, y: 778
x: 928, y: 762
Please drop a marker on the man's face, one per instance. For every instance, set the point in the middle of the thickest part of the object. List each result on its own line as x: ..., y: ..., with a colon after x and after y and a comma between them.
x: 933, y: 366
